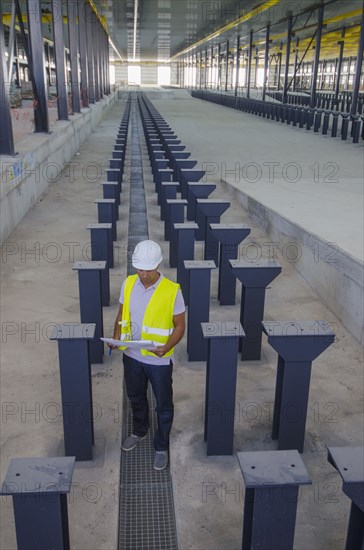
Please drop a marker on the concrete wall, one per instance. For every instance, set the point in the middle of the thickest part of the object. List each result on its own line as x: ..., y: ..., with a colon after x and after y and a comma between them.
x: 40, y: 159
x: 149, y: 74
x: 335, y: 275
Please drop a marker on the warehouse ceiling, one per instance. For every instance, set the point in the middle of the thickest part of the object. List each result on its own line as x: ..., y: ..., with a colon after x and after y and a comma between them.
x: 143, y: 31
x: 160, y: 30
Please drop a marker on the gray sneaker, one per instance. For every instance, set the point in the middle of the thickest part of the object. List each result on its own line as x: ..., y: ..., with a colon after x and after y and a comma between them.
x: 131, y: 442
x: 160, y: 460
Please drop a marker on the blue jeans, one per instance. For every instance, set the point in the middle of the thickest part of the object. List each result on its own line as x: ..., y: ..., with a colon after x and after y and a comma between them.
x: 136, y: 375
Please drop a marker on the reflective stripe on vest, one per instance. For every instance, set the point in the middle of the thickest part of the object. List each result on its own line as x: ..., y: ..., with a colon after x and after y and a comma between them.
x: 158, y: 316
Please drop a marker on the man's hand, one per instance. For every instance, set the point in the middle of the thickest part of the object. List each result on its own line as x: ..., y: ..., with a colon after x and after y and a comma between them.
x: 179, y: 329
x: 111, y: 346
x: 160, y: 350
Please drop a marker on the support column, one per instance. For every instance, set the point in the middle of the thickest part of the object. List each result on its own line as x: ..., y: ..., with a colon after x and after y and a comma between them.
x: 49, y: 71
x: 279, y: 71
x: 249, y: 63
x: 205, y: 72
x: 288, y: 52
x: 36, y: 66
x: 101, y: 62
x: 227, y: 66
x: 105, y: 46
x: 317, y: 55
x: 358, y: 66
x: 11, y: 44
x: 104, y: 58
x: 82, y: 29
x: 295, y: 65
x: 90, y: 54
x: 256, y: 67
x: 108, y: 65
x: 16, y: 53
x: 211, y: 65
x: 59, y: 52
x: 95, y: 31
x: 219, y: 66
x: 6, y: 133
x: 72, y: 14
x: 339, y: 66
x: 104, y: 61
x: 200, y: 71
x: 266, y: 61
x: 100, y: 59
x: 237, y: 65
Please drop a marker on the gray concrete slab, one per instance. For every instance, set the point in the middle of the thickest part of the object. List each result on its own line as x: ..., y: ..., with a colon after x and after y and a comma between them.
x: 314, y: 180
x: 304, y: 189
x: 38, y: 290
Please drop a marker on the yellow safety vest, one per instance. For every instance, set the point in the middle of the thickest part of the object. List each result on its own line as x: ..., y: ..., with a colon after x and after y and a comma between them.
x: 158, y: 316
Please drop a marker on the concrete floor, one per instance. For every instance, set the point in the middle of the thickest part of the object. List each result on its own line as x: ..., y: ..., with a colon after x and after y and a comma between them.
x: 40, y: 290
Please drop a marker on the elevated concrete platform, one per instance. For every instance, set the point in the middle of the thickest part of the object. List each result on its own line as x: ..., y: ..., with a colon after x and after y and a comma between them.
x: 40, y: 159
x: 304, y: 189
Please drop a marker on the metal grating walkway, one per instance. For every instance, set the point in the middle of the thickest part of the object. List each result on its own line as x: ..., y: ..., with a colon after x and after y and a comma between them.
x: 146, y: 518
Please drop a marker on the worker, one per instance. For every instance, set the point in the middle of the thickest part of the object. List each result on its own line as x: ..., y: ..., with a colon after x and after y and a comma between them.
x: 151, y: 308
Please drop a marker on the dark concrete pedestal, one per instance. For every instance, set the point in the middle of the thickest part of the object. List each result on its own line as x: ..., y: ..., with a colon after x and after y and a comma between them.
x: 39, y: 488
x: 297, y: 343
x: 255, y: 277
x: 272, y: 480
x: 222, y: 357
x: 76, y: 387
x: 349, y: 462
x: 229, y: 235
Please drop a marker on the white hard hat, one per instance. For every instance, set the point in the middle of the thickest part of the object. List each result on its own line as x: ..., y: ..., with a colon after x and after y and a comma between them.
x: 147, y: 255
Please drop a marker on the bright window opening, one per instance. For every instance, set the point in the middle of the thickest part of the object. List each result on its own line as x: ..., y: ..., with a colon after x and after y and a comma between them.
x: 134, y: 74
x: 164, y: 76
x: 112, y: 74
